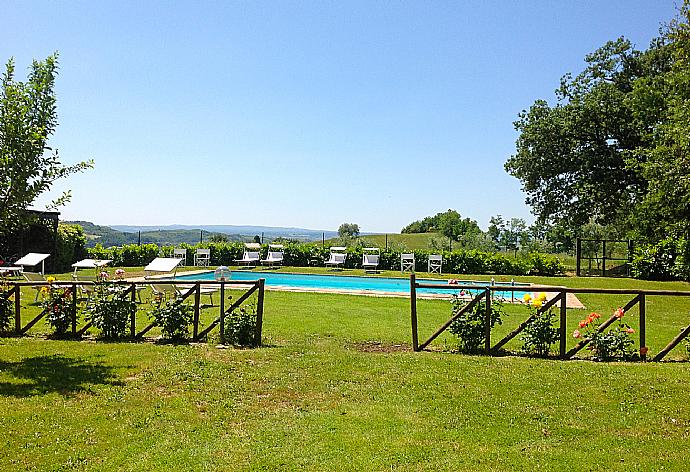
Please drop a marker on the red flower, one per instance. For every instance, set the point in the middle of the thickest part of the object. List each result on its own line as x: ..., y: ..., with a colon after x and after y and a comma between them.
x: 619, y: 313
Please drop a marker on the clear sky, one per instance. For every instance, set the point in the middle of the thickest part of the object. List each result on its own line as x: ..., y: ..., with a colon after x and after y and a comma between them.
x: 302, y: 113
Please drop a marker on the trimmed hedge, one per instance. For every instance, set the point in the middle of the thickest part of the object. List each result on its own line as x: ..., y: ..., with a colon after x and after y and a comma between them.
x: 313, y: 254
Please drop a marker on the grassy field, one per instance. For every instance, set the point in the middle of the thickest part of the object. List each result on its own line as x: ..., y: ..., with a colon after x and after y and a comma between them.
x: 407, y: 241
x: 336, y: 387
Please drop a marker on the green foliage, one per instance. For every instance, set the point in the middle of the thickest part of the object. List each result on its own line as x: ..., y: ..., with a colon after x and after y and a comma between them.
x: 240, y: 326
x: 311, y: 254
x: 449, y: 223
x: 57, y: 303
x: 614, y: 148
x: 348, y: 230
x: 28, y: 166
x: 470, y: 327
x: 6, y: 310
x: 540, y: 334
x: 669, y: 259
x: 71, y: 246
x: 110, y: 310
x: 174, y: 318
x: 614, y: 344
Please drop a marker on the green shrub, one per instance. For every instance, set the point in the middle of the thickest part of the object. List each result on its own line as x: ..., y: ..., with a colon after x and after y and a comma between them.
x: 173, y: 318
x: 546, y: 265
x: 71, y: 246
x: 540, y: 334
x: 110, y: 311
x: 6, y: 312
x: 658, y: 261
x: 313, y: 254
x: 614, y: 344
x: 57, y: 303
x: 240, y: 326
x: 470, y: 327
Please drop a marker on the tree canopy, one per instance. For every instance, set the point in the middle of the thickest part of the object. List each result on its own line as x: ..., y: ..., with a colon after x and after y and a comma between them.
x: 613, y: 149
x: 449, y: 223
x: 348, y: 230
x: 28, y: 166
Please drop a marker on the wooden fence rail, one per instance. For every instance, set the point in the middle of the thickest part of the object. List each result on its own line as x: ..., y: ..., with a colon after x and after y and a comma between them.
x: 254, y: 286
x: 485, y: 291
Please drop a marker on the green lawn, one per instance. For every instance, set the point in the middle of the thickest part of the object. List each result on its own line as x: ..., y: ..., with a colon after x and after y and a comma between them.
x: 410, y: 241
x: 336, y: 387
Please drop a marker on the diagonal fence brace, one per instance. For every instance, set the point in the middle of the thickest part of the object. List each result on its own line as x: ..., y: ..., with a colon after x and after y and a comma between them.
x: 548, y: 305
x: 445, y: 325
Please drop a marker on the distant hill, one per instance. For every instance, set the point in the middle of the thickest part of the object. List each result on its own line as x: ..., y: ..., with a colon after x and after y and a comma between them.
x: 176, y: 234
x: 269, y: 232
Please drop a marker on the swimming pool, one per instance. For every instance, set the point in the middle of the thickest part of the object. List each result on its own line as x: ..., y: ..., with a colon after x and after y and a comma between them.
x: 357, y: 284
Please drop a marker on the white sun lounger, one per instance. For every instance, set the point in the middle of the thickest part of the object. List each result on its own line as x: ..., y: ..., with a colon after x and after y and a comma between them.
x: 337, y: 257
x: 90, y: 264
x: 251, y: 255
x: 274, y: 256
x: 163, y: 264
x: 370, y: 259
x: 33, y: 259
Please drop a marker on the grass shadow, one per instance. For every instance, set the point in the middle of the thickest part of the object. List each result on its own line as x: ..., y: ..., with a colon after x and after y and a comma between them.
x: 42, y: 375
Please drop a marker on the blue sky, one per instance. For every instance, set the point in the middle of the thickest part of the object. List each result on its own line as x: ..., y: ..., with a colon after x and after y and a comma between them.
x: 305, y: 114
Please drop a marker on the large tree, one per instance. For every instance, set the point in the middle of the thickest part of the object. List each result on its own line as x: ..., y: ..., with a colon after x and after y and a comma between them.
x: 665, y: 208
x: 580, y: 159
x: 28, y: 165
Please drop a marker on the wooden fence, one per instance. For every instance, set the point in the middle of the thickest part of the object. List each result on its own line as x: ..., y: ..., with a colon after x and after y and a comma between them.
x: 194, y: 289
x: 485, y: 292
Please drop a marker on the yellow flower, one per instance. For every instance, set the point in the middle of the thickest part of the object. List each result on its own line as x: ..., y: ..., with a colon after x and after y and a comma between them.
x: 527, y: 298
x: 542, y: 297
x: 50, y: 280
x: 44, y: 289
x: 537, y: 303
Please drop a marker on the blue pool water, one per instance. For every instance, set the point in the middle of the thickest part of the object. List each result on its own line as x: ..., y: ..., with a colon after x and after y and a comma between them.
x: 355, y: 284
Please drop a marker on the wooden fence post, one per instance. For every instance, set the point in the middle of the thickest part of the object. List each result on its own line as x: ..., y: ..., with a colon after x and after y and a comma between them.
x: 222, y: 311
x: 259, y: 313
x: 197, y: 305
x: 133, y: 316
x: 563, y: 328
x: 643, y: 326
x: 413, y: 312
x: 578, y: 255
x: 74, y: 309
x: 17, y: 309
x: 487, y: 332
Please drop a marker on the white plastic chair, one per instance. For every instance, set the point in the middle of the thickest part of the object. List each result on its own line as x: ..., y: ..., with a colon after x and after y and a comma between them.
x: 202, y: 257
x: 435, y: 263
x: 407, y: 262
x: 180, y: 253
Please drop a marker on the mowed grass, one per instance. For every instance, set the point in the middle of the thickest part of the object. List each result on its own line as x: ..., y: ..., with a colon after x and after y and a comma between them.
x: 410, y: 241
x: 336, y: 387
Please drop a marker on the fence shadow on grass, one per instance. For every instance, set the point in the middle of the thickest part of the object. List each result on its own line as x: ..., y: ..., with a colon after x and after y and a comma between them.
x: 42, y: 375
